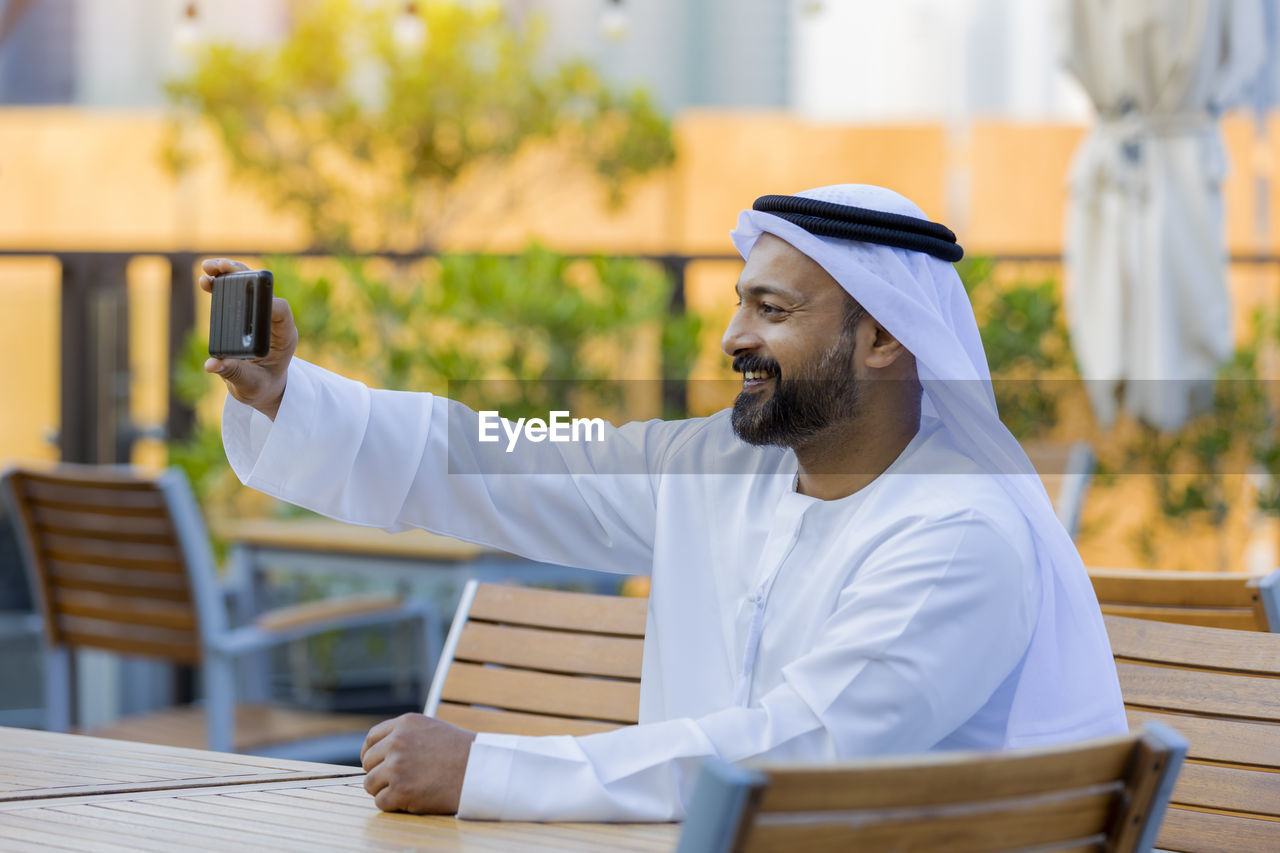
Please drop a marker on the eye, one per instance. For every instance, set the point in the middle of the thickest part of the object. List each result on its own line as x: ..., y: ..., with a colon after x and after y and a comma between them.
x: 767, y: 308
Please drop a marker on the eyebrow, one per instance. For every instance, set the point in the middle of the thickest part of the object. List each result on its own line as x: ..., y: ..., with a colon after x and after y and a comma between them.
x: 757, y: 290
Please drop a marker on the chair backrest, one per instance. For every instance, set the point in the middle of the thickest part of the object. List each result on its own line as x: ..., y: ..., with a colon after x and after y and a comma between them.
x: 118, y: 561
x: 1221, y: 689
x: 538, y: 662
x: 1065, y: 470
x: 1209, y: 599
x: 1105, y: 794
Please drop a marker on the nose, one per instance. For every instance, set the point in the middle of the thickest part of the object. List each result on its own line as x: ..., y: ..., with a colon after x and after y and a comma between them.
x: 739, y: 336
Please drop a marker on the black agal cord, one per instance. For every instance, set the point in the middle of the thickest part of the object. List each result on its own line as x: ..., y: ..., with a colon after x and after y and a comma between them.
x: 828, y: 219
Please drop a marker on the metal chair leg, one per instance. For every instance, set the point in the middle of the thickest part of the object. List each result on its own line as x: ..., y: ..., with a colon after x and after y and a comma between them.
x: 59, y: 691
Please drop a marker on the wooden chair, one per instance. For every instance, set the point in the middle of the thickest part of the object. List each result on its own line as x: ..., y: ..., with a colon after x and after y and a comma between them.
x: 1106, y: 794
x: 1221, y: 689
x: 1209, y: 599
x: 121, y: 562
x: 1065, y: 470
x: 540, y: 662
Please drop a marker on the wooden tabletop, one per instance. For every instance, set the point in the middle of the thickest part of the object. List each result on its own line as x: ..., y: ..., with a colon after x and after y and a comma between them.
x: 332, y: 536
x: 75, y: 793
x: 37, y: 764
x: 303, y: 815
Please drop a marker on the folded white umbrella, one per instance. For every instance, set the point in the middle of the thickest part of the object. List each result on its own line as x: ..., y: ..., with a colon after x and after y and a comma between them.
x: 1147, y: 301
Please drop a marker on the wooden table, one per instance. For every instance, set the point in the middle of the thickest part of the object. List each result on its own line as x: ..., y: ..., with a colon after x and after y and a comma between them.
x: 237, y: 806
x: 40, y: 765
x: 321, y: 545
x: 317, y: 534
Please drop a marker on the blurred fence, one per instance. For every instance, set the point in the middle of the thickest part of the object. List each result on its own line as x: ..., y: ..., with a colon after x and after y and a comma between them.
x: 89, y: 372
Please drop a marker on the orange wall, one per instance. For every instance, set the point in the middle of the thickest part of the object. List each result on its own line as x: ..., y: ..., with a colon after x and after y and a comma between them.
x: 81, y: 180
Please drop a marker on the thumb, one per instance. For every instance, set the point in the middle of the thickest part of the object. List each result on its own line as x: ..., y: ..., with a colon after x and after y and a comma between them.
x: 230, y: 369
x: 239, y: 381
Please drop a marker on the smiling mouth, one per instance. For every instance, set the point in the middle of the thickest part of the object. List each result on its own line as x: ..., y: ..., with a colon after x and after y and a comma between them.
x: 755, y: 378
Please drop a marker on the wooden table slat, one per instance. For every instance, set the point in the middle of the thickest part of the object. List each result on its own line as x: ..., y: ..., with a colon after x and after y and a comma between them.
x: 37, y: 764
x: 252, y: 803
x: 19, y: 834
x: 210, y: 818
x: 103, y: 827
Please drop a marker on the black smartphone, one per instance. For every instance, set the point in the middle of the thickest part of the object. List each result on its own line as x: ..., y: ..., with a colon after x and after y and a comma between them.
x: 240, y: 316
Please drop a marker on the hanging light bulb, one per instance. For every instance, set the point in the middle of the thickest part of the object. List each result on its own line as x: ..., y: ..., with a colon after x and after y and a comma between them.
x: 410, y: 29
x: 187, y: 31
x: 613, y: 20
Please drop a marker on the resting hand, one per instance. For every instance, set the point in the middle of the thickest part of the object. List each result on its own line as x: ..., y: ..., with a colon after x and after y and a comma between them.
x: 416, y: 764
x: 257, y: 382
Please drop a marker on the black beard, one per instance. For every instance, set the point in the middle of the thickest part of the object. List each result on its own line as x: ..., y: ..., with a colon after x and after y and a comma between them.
x: 799, y: 408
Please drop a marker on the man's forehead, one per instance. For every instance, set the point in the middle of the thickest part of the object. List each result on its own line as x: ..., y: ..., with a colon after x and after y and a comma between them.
x: 774, y: 265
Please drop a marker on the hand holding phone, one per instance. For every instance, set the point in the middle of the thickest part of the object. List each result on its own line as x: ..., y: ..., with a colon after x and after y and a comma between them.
x: 240, y: 316
x: 256, y: 381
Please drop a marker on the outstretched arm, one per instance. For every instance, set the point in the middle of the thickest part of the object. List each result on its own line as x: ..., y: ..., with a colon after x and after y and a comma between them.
x: 396, y: 460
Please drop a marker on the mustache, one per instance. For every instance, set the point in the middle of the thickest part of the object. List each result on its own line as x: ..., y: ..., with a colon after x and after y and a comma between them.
x: 752, y: 361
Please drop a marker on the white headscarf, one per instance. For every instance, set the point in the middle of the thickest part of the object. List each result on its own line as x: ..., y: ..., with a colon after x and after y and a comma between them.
x: 920, y: 301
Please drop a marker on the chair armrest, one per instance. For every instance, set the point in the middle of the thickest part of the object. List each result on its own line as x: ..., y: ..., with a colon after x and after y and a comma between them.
x: 19, y: 623
x: 304, y: 620
x: 1269, y: 588
x: 324, y: 611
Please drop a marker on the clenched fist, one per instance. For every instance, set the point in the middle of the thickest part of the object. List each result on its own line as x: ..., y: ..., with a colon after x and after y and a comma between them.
x: 416, y: 764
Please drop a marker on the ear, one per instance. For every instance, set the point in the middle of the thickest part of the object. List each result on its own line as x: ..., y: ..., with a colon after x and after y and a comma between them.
x: 886, y: 350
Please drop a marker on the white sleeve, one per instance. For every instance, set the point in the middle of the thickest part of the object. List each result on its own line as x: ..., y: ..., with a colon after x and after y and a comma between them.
x: 921, y: 638
x: 395, y: 459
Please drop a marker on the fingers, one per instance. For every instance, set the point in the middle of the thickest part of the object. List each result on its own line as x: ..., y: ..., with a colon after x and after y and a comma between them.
x: 386, y: 796
x: 372, y: 755
x: 376, y: 734
x: 214, y: 267
x: 378, y: 784
x: 229, y: 369
x: 219, y: 266
x: 281, y: 313
x: 388, y: 800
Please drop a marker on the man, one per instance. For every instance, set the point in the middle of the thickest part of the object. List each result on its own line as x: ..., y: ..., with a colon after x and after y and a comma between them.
x: 857, y: 559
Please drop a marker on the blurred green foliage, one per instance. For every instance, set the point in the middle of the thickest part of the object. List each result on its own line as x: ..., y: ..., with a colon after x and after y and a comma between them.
x: 384, y: 142
x: 1024, y: 334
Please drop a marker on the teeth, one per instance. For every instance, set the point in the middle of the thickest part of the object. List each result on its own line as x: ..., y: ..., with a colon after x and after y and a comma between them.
x: 755, y: 374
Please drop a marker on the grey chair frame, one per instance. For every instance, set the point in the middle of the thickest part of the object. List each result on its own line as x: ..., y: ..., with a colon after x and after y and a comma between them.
x: 1269, y: 589
x: 1074, y: 479
x: 450, y: 648
x: 221, y: 645
x: 725, y: 797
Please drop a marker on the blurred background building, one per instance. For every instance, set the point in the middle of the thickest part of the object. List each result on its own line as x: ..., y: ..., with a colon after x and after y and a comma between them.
x: 837, y: 60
